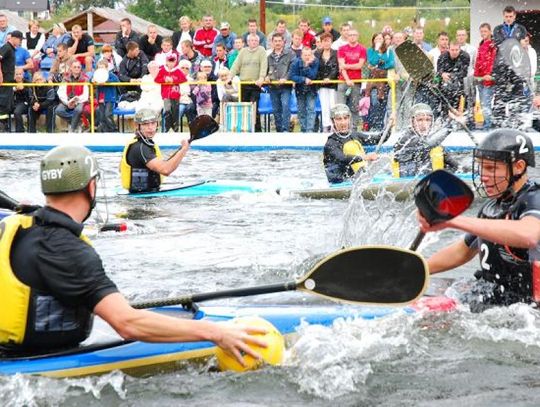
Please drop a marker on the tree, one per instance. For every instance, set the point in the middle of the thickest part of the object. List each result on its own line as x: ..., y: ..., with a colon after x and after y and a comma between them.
x: 162, y: 12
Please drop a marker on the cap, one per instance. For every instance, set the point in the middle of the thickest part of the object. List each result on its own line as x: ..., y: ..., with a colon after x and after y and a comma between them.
x: 224, y: 26
x: 171, y: 57
x: 206, y: 62
x: 327, y: 20
x: 17, y: 34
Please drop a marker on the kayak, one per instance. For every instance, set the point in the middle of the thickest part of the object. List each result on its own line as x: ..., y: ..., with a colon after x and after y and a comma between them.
x: 105, y: 351
x: 199, y: 189
x: 402, y: 188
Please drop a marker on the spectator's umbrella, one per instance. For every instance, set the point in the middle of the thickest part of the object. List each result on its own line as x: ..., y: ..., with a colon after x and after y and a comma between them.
x: 514, y: 56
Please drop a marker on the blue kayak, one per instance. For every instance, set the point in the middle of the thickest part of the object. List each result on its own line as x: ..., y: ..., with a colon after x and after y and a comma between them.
x: 105, y: 351
x: 199, y: 189
x: 401, y: 188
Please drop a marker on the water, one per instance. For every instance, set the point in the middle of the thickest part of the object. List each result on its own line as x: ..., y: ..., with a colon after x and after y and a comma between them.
x: 207, y: 244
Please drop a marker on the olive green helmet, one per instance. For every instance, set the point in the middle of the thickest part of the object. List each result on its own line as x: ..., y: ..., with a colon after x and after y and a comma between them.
x: 340, y: 110
x: 67, y: 169
x: 146, y: 116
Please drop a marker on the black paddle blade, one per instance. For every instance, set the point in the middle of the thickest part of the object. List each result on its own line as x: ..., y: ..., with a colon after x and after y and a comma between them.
x: 201, y: 127
x: 440, y: 196
x: 7, y: 202
x: 415, y: 61
x: 369, y: 275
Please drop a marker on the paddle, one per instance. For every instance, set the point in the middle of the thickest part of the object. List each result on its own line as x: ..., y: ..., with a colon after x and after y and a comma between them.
x: 202, y: 126
x: 361, y: 275
x: 7, y: 202
x: 420, y: 68
x: 440, y: 196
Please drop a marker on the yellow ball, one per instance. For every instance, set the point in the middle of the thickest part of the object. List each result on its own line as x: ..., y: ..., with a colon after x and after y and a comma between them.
x: 272, y: 354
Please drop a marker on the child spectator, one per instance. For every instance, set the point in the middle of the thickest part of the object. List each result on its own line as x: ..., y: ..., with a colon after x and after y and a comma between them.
x: 112, y: 58
x: 170, y: 77
x: 42, y: 101
x: 21, y: 100
x: 151, y: 91
x: 303, y: 71
x: 166, y: 51
x: 363, y: 110
x: 106, y: 97
x: 296, y: 44
x: 203, y: 95
x: 227, y: 87
x: 187, y: 107
x: 231, y: 57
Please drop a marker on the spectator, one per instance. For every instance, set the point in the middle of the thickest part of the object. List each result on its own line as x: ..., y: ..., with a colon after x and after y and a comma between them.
x: 187, y: 107
x: 343, y: 37
x: 133, y: 66
x: 81, y: 47
x: 186, y: 33
x: 351, y: 59
x: 73, y: 97
x: 42, y: 101
x: 150, y: 91
x: 170, y: 78
x: 238, y: 45
x: 166, y: 51
x: 203, y: 95
x: 125, y: 35
x: 207, y: 66
x: 5, y: 29
x: 253, y: 28
x: 510, y: 90
x: 281, y: 28
x: 24, y: 60
x: 401, y: 77
x: 112, y: 58
x: 220, y: 59
x: 33, y: 42
x: 531, y: 53
x: 483, y: 69
x: 418, y: 39
x: 303, y: 72
x: 192, y: 56
x: 441, y: 48
x: 21, y: 100
x: 279, y: 65
x: 105, y: 97
x: 7, y: 74
x: 57, y: 36
x: 225, y: 37
x: 379, y: 60
x: 150, y: 43
x: 327, y: 27
x: 308, y: 35
x: 251, y: 65
x: 227, y: 87
x: 328, y: 70
x: 203, y: 40
x: 61, y: 64
x: 296, y: 42
x: 461, y: 39
x: 452, y: 68
x: 387, y: 39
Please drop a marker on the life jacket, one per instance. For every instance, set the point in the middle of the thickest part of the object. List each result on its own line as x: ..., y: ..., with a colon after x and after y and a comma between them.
x: 139, y: 179
x: 413, y: 167
x: 355, y: 148
x: 25, y: 313
x: 516, y: 277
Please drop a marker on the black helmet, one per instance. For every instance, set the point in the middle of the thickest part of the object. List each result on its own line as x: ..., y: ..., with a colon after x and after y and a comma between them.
x: 506, y: 145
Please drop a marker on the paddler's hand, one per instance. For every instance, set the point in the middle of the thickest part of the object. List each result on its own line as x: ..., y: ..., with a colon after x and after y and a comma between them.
x: 371, y: 156
x: 457, y: 116
x: 184, y: 145
x: 536, y: 102
x: 235, y: 339
x: 426, y: 227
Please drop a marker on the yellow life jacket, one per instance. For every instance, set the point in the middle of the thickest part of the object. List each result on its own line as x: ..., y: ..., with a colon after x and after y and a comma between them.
x: 125, y: 168
x: 437, y: 161
x: 353, y: 148
x: 15, y: 296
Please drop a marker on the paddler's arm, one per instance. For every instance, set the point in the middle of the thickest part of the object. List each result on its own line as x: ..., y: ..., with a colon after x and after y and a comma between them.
x: 147, y: 326
x: 166, y: 167
x: 451, y: 257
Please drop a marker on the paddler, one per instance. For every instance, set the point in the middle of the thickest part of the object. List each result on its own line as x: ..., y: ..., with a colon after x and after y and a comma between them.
x: 52, y: 281
x: 506, y: 233
x: 344, y: 153
x: 142, y: 167
x: 418, y: 150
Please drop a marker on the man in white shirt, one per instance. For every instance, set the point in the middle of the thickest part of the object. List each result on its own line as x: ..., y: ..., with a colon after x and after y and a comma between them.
x: 461, y: 39
x: 442, y: 47
x: 344, y: 36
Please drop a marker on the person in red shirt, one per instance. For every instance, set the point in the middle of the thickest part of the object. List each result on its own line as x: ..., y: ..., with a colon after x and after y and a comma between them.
x: 483, y: 69
x: 203, y: 40
x: 170, y: 77
x: 308, y: 40
x: 351, y: 59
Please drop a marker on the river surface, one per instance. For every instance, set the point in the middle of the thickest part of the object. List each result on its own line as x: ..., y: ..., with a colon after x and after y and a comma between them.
x: 176, y: 246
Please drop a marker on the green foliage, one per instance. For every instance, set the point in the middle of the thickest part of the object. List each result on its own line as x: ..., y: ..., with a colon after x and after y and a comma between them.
x: 163, y: 12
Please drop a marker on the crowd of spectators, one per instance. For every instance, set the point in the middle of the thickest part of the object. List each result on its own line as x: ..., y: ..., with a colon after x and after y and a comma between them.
x: 197, y: 69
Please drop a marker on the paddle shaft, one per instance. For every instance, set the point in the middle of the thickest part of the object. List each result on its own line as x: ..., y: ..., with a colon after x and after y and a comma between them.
x: 187, y: 300
x: 417, y: 240
x: 7, y: 202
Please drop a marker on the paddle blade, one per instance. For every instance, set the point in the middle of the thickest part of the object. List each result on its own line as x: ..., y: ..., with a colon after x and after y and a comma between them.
x: 7, y: 202
x: 201, y: 127
x: 369, y: 275
x: 441, y: 196
x: 415, y: 61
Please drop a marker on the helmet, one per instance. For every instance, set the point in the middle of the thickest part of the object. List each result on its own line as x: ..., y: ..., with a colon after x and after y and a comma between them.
x: 421, y: 108
x: 340, y: 110
x: 146, y: 116
x: 506, y: 145
x: 67, y: 169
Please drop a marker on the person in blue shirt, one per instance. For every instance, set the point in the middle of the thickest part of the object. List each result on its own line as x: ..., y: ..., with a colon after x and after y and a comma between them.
x: 225, y: 37
x: 303, y: 71
x: 5, y: 29
x: 24, y: 60
x: 106, y: 97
